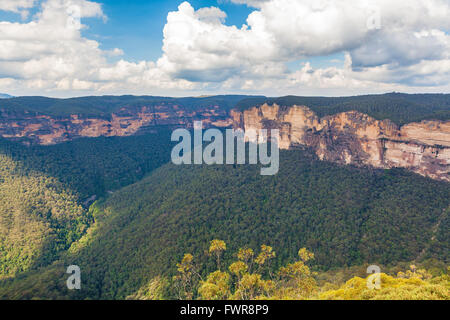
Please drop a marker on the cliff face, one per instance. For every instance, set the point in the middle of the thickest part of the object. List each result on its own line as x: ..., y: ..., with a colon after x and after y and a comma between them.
x: 46, y: 130
x: 355, y: 138
x: 347, y: 138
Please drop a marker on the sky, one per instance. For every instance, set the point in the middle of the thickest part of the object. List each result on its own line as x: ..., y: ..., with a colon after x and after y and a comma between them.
x: 65, y: 48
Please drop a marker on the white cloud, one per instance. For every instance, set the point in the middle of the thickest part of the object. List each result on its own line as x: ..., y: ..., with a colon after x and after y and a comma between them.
x: 49, y: 54
x: 16, y: 5
x: 116, y: 52
x: 411, y: 40
x: 211, y: 15
x: 250, y: 3
x: 201, y: 50
x: 410, y: 51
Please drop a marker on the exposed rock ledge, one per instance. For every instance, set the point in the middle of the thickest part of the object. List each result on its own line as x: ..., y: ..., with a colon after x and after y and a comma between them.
x: 46, y: 130
x: 355, y: 138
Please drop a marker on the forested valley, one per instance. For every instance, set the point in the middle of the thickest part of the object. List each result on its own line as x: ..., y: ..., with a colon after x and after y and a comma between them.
x: 140, y: 227
x: 346, y: 216
x: 46, y: 191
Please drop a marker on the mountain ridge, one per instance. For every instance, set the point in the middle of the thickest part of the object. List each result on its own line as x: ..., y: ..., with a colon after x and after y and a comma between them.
x: 41, y: 120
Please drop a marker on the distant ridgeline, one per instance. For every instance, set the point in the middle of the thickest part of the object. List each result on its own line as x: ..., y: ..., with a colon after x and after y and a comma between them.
x: 41, y: 120
x: 46, y: 121
x: 104, y: 106
x: 398, y: 107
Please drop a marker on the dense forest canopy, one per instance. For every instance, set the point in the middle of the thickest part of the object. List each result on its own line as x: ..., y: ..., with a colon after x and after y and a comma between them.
x: 398, y: 107
x: 345, y: 215
x: 45, y: 191
x: 39, y: 218
x: 94, y: 166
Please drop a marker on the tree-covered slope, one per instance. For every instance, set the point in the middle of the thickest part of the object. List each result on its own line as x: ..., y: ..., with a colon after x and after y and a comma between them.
x: 39, y: 218
x: 44, y: 191
x: 345, y: 215
x: 94, y: 166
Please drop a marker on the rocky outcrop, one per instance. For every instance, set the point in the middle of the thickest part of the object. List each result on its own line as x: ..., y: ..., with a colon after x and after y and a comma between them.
x: 347, y: 138
x: 46, y: 130
x: 355, y: 138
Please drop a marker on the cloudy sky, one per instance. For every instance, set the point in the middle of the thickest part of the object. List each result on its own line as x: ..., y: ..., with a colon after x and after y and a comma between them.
x: 179, y: 48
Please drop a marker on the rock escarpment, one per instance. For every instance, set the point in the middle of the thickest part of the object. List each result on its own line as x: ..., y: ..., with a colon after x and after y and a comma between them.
x: 348, y: 138
x: 356, y: 138
x: 32, y: 128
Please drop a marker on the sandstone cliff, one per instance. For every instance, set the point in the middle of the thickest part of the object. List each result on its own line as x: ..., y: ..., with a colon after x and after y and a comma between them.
x: 347, y: 138
x: 355, y: 138
x: 46, y: 130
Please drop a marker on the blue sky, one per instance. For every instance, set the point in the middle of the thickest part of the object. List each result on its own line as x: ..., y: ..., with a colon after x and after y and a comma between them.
x: 300, y: 47
x: 137, y: 26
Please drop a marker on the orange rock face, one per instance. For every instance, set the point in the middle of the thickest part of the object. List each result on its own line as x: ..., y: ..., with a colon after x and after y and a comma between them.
x: 356, y: 138
x: 46, y: 130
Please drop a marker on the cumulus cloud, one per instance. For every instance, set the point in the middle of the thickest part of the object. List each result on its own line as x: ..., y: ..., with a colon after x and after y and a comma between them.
x: 50, y: 54
x: 394, y: 42
x: 49, y: 47
x: 16, y: 5
x: 250, y: 3
x: 204, y: 50
x: 389, y: 45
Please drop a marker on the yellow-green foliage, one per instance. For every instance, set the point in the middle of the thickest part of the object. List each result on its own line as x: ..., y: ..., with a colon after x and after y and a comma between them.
x: 38, y: 218
x: 216, y: 286
x: 185, y: 278
x: 153, y: 290
x: 246, y: 281
x: 412, y: 285
x: 216, y: 248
